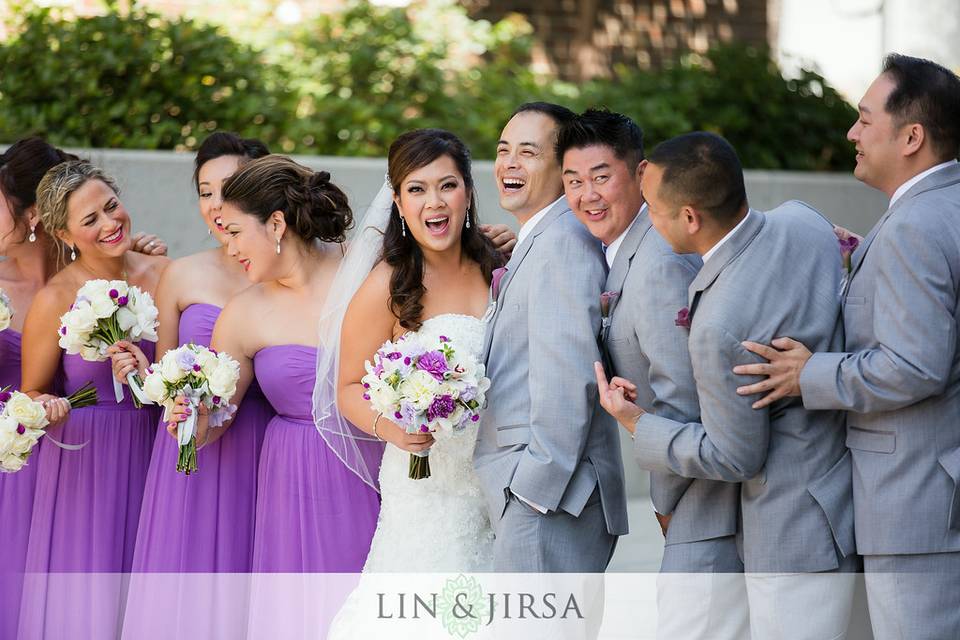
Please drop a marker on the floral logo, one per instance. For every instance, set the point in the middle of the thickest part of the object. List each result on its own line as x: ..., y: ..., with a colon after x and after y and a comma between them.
x: 683, y: 318
x: 463, y: 605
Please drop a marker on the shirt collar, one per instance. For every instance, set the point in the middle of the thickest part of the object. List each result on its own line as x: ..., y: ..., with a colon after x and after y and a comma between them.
x: 528, y: 226
x: 610, y: 251
x: 917, y: 178
x: 714, y: 248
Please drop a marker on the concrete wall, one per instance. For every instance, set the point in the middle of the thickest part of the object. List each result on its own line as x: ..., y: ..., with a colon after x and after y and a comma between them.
x: 157, y: 190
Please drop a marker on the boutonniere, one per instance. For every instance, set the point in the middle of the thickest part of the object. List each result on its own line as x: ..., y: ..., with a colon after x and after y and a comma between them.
x: 848, y: 244
x: 683, y: 318
x: 608, y: 302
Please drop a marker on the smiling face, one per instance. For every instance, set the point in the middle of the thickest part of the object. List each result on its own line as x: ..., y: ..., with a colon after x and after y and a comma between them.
x: 526, y: 168
x: 253, y: 243
x: 97, y: 222
x: 433, y: 201
x: 877, y: 139
x: 210, y: 181
x: 8, y: 226
x: 602, y: 190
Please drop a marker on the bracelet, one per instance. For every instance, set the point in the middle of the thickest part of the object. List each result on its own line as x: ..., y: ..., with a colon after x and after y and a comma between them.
x: 375, y: 421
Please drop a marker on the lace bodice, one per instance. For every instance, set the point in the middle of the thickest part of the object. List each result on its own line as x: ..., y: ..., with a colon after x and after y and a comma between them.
x: 448, y: 506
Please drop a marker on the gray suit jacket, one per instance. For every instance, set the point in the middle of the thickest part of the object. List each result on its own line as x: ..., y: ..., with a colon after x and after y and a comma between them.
x: 778, y: 275
x: 648, y: 348
x: 900, y: 377
x: 544, y: 435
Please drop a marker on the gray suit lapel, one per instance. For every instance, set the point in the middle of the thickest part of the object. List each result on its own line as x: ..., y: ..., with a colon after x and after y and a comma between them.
x: 942, y: 178
x: 631, y: 242
x: 724, y: 255
x: 513, y: 265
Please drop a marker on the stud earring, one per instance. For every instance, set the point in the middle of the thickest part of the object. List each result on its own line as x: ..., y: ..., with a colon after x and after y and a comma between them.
x: 403, y: 227
x: 33, y: 235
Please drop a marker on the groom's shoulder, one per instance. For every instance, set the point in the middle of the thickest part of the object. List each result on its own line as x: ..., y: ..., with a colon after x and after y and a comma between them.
x: 568, y: 236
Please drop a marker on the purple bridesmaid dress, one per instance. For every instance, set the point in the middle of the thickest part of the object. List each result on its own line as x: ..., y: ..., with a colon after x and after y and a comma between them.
x: 314, y: 515
x: 16, y: 503
x: 198, y: 524
x: 85, y: 511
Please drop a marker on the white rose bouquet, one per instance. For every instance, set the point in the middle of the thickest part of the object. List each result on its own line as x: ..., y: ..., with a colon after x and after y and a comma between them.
x: 425, y: 388
x: 22, y: 421
x: 105, y: 312
x: 6, y: 311
x: 204, y: 377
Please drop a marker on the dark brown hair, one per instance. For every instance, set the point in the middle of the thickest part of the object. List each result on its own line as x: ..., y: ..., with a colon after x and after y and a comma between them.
x: 22, y: 167
x: 928, y: 94
x: 411, y: 151
x: 224, y: 143
x: 312, y: 206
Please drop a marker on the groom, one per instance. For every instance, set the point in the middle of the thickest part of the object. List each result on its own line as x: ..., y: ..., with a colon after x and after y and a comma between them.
x: 547, y: 456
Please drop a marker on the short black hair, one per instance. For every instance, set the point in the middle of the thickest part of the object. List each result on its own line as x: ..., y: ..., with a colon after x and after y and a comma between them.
x: 928, y: 94
x: 702, y: 170
x: 558, y: 113
x: 603, y: 127
x: 225, y: 143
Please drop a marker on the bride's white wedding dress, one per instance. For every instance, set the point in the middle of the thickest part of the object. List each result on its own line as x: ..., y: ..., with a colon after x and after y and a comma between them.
x: 445, y: 512
x: 433, y: 525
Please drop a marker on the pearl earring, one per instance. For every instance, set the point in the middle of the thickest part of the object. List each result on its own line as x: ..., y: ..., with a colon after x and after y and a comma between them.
x: 278, y: 246
x: 468, y: 220
x: 403, y: 227
x: 73, y: 253
x: 33, y: 235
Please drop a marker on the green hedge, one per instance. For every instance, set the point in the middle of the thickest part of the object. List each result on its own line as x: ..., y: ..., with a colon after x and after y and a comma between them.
x: 348, y: 83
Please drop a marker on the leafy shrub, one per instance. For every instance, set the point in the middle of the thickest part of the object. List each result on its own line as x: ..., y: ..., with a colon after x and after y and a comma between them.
x: 134, y: 80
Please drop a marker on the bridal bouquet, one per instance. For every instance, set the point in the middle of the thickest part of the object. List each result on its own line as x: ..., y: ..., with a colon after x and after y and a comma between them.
x: 204, y: 377
x: 425, y: 387
x: 105, y: 312
x: 6, y: 311
x: 22, y: 420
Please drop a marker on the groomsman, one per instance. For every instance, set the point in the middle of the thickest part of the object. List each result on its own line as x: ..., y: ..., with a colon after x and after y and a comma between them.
x: 763, y: 275
x: 601, y: 154
x: 899, y: 379
x: 548, y: 461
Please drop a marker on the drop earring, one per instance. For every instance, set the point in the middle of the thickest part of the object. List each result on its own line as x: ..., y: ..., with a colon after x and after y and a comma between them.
x: 278, y: 246
x: 468, y: 220
x: 33, y: 235
x: 403, y: 227
x: 73, y: 254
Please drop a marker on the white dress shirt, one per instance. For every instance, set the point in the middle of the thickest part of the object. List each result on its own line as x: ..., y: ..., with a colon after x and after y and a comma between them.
x: 917, y: 178
x: 714, y: 248
x: 610, y: 251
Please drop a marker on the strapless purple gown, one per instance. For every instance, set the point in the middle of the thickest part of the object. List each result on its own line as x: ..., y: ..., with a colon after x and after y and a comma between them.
x: 85, y: 511
x: 16, y: 503
x: 314, y: 515
x: 198, y: 523
x: 203, y: 522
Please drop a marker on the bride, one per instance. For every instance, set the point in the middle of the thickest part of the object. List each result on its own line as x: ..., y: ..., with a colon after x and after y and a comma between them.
x: 425, y: 267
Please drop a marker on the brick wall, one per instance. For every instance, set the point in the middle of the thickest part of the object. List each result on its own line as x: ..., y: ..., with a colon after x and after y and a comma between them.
x: 584, y: 38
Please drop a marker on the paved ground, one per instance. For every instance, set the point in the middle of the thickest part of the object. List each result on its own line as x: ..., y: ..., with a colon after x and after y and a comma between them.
x: 641, y: 549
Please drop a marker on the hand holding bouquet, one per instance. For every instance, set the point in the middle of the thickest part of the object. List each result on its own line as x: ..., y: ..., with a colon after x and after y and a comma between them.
x: 22, y: 422
x: 105, y: 312
x: 204, y: 378
x: 425, y: 387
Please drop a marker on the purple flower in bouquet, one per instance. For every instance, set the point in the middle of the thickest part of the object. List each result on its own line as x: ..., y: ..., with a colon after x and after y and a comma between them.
x: 434, y: 363
x: 683, y: 318
x: 440, y: 408
x: 186, y: 359
x: 498, y: 274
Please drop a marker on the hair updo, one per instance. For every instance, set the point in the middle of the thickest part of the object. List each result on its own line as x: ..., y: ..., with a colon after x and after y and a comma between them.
x: 312, y: 206
x: 22, y: 167
x: 55, y: 189
x: 224, y: 143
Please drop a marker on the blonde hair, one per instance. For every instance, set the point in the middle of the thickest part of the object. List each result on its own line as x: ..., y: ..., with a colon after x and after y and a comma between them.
x: 55, y: 189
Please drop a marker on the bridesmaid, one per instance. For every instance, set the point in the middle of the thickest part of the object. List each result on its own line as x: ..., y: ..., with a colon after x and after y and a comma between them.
x: 285, y: 225
x: 29, y: 262
x: 87, y: 502
x: 202, y: 522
